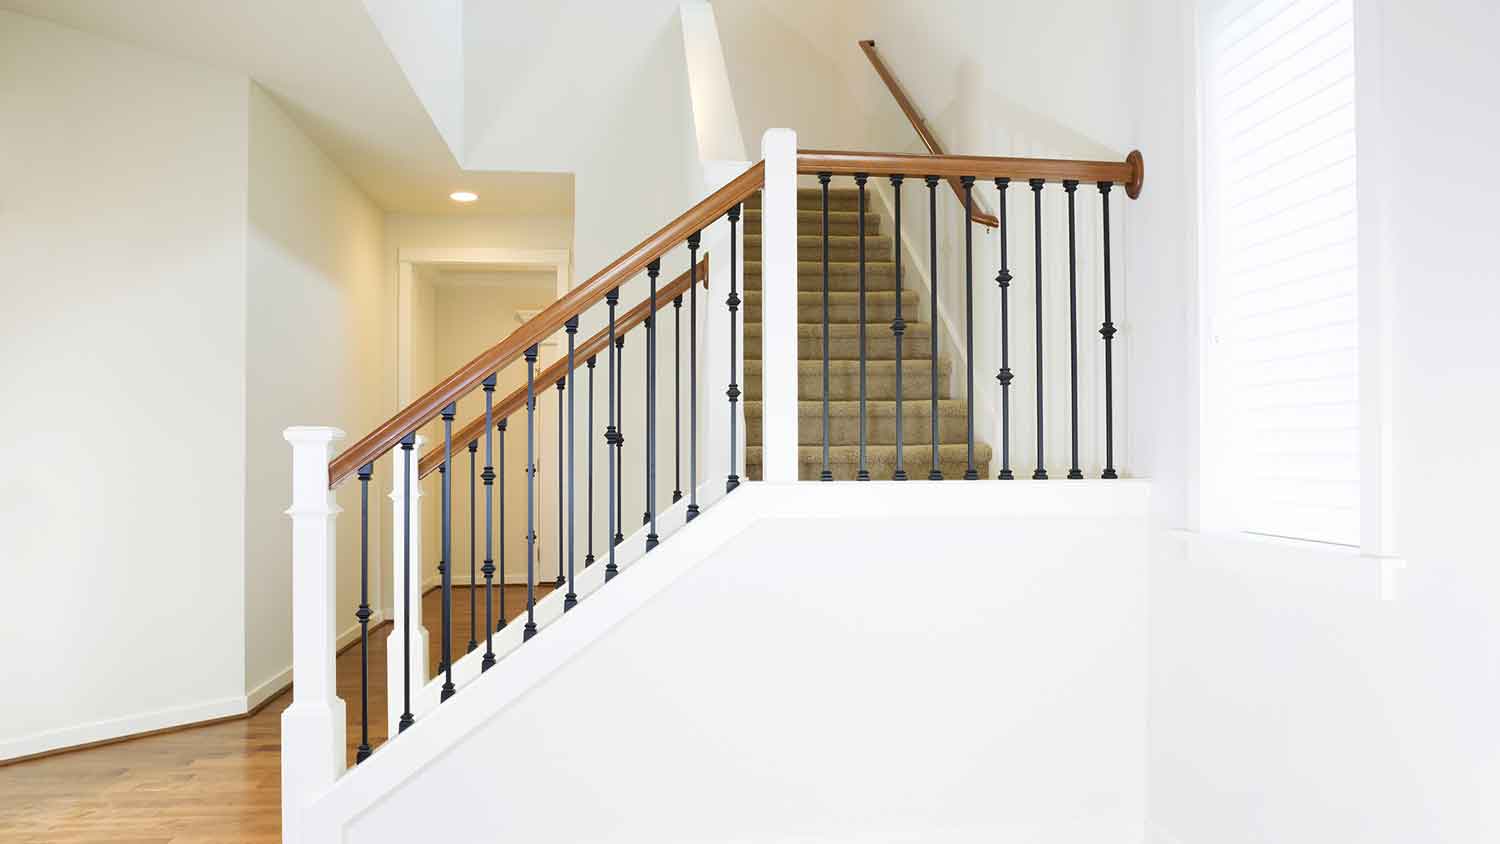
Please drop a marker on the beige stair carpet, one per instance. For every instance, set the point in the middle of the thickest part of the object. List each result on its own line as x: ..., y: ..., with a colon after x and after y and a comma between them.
x: 843, y: 342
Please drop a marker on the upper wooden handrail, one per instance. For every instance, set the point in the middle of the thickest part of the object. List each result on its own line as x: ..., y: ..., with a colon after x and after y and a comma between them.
x: 595, y: 345
x: 929, y: 140
x: 1129, y: 173
x: 543, y: 325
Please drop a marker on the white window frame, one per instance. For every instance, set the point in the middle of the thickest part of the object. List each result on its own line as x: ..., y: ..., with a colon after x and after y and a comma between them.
x: 1378, y: 484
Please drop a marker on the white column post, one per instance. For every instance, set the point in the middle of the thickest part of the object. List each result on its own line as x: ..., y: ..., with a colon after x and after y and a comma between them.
x: 395, y: 679
x: 312, y: 728
x: 779, y: 305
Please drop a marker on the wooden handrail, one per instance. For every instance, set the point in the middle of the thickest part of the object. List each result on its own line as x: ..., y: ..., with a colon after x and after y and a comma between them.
x: 597, y: 344
x: 543, y: 325
x: 929, y: 140
x: 1129, y: 173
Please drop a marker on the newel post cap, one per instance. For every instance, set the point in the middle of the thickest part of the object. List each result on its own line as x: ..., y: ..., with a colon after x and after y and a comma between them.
x: 298, y: 434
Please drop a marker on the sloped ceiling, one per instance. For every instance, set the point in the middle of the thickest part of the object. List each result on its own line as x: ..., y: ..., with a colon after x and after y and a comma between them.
x: 328, y: 64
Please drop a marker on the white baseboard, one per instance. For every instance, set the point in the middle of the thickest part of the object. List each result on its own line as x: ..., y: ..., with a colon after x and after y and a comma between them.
x: 277, y: 683
x: 114, y: 728
x: 161, y: 719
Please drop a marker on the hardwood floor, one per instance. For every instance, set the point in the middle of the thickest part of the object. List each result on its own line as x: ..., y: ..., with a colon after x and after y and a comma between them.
x: 215, y: 783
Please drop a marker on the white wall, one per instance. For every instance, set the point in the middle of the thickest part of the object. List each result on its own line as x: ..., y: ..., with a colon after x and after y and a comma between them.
x: 316, y: 319
x: 1289, y: 701
x: 777, y: 642
x: 123, y: 251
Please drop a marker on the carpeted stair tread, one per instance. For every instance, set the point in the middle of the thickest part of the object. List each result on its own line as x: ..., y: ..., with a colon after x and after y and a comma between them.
x: 808, y: 199
x: 840, y: 248
x: 811, y: 221
x: 843, y: 341
x: 843, y: 379
x: 842, y: 276
x: 843, y: 306
x: 880, y: 422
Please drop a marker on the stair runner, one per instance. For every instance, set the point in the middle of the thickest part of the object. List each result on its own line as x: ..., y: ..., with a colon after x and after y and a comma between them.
x: 880, y: 346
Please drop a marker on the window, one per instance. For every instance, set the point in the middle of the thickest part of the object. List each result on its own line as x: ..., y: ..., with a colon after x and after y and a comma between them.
x: 1280, y: 252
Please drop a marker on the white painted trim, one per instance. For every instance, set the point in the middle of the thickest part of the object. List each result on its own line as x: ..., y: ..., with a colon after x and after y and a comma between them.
x: 778, y: 310
x: 1377, y: 293
x: 560, y: 261
x: 328, y: 815
x: 123, y: 727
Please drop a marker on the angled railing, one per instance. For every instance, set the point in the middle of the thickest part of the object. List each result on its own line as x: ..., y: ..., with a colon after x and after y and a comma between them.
x: 313, y: 727
x: 924, y: 132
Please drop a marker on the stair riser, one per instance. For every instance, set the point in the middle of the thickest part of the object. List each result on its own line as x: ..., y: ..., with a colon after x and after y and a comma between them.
x: 844, y: 430
x: 841, y: 312
x: 878, y: 471
x: 877, y: 249
x: 879, y: 345
x: 844, y: 223
x: 915, y: 386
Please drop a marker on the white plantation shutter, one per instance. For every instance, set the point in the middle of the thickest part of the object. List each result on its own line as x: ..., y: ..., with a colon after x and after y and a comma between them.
x: 1279, y: 166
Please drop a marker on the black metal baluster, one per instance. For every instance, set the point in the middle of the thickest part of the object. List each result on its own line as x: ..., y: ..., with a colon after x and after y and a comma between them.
x: 936, y: 473
x: 827, y: 473
x: 447, y: 562
x: 530, y: 629
x: 1005, y: 377
x: 473, y: 556
x: 562, y: 384
x: 570, y: 600
x: 734, y: 304
x: 692, y: 509
x: 588, y: 559
x: 898, y: 331
x: 1071, y: 186
x: 970, y: 473
x: 677, y: 399
x: 620, y: 444
x: 611, y: 435
x: 1107, y: 331
x: 653, y: 269
x: 500, y: 473
x: 407, y: 442
x: 489, y: 524
x: 363, y: 613
x: 442, y: 564
x: 1041, y: 460
x: 863, y: 474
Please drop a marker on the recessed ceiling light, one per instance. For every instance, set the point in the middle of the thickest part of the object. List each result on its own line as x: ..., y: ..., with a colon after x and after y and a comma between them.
x: 463, y: 196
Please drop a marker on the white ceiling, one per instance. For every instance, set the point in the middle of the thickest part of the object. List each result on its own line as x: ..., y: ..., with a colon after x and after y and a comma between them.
x: 326, y: 63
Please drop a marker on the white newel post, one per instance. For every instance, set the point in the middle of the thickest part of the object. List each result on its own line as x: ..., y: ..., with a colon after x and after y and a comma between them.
x: 395, y: 680
x: 779, y: 305
x: 312, y: 728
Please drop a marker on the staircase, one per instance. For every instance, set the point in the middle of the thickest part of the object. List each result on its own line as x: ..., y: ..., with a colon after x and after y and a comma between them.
x: 843, y: 352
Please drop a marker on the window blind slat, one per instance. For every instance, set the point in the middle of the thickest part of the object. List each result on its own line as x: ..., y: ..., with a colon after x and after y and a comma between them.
x: 1280, y: 144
